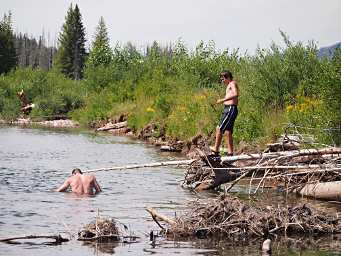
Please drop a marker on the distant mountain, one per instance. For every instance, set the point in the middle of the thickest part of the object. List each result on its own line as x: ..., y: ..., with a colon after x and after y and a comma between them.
x: 328, y: 52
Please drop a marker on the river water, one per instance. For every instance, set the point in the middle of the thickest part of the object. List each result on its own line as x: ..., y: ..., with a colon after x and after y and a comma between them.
x: 34, y: 162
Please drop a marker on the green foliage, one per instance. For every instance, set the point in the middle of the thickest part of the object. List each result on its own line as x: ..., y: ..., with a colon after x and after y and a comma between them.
x: 176, y: 89
x: 100, y: 53
x: 71, y: 54
x: 192, y: 115
x: 8, y: 57
x: 51, y: 92
x: 97, y: 106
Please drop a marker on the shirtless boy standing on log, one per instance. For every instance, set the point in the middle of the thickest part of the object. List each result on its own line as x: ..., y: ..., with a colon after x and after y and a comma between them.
x: 229, y: 114
x: 81, y: 184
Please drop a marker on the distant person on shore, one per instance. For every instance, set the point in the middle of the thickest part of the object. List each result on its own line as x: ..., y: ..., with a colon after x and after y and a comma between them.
x: 81, y: 183
x: 229, y: 113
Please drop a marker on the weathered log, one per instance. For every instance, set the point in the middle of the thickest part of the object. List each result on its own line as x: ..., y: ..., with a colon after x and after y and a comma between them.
x: 278, y: 167
x: 323, y: 190
x: 281, y: 146
x: 136, y: 166
x: 58, y: 238
x: 110, y: 126
x: 155, y: 214
x: 293, y: 153
x: 169, y: 148
x: 119, y: 131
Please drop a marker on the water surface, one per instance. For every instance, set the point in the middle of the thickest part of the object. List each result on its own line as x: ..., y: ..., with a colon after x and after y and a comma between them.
x: 34, y: 162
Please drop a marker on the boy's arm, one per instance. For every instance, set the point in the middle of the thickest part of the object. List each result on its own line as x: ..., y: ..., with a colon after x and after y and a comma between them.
x: 97, y: 187
x: 64, y: 187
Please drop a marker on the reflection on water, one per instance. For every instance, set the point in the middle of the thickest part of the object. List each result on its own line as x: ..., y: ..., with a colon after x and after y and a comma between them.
x: 33, y: 163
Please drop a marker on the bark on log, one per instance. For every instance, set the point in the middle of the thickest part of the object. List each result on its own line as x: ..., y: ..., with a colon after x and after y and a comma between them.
x: 110, y: 126
x: 155, y: 214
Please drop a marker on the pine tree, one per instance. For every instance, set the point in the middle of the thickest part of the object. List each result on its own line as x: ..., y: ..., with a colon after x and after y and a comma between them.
x: 71, y: 53
x: 8, y: 57
x: 101, y: 53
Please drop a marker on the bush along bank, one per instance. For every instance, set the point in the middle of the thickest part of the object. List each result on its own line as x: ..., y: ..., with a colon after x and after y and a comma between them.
x: 169, y: 93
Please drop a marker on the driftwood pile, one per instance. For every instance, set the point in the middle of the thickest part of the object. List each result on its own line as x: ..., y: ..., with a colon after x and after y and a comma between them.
x: 104, y: 230
x: 99, y: 230
x: 290, y: 169
x: 233, y: 219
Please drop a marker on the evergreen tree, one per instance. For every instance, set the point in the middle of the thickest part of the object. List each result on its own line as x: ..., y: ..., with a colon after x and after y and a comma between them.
x: 101, y: 53
x: 71, y: 53
x: 8, y: 57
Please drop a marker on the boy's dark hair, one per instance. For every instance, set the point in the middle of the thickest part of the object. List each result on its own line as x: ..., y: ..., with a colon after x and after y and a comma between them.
x: 74, y: 171
x: 226, y: 74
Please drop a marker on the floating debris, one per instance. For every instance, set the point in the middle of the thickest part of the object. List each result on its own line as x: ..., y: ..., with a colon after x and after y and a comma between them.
x: 105, y: 230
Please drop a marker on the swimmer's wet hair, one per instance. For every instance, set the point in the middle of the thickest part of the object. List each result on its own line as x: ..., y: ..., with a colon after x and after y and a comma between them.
x: 74, y: 171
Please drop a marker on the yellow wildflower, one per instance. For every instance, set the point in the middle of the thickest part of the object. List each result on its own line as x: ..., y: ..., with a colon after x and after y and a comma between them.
x: 150, y: 109
x: 290, y: 108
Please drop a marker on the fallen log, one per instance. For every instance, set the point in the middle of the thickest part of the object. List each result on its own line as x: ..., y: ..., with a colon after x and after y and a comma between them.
x: 279, y: 167
x: 110, y: 126
x: 136, y: 166
x: 169, y: 148
x: 119, y: 131
x: 323, y: 190
x: 288, y: 154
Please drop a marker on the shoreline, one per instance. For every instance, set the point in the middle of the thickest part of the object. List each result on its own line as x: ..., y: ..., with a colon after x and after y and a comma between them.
x: 120, y: 128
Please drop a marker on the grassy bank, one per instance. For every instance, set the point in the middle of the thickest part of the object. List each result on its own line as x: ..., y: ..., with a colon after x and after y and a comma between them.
x: 176, y: 89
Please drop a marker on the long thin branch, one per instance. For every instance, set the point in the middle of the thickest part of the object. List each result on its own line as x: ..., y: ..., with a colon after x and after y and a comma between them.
x: 136, y: 166
x: 58, y: 238
x: 237, y: 180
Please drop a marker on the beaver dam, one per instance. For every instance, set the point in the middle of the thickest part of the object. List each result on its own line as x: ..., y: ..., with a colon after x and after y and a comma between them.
x: 309, y: 172
x: 228, y: 217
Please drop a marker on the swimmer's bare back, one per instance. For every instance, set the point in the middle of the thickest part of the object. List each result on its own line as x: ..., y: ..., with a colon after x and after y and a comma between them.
x: 81, y: 184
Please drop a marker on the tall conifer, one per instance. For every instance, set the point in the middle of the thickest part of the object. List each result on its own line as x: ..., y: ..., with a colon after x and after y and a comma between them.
x: 71, y: 53
x: 101, y: 53
x: 8, y: 57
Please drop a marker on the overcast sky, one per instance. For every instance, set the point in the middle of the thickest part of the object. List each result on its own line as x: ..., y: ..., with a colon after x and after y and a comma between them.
x: 243, y: 24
